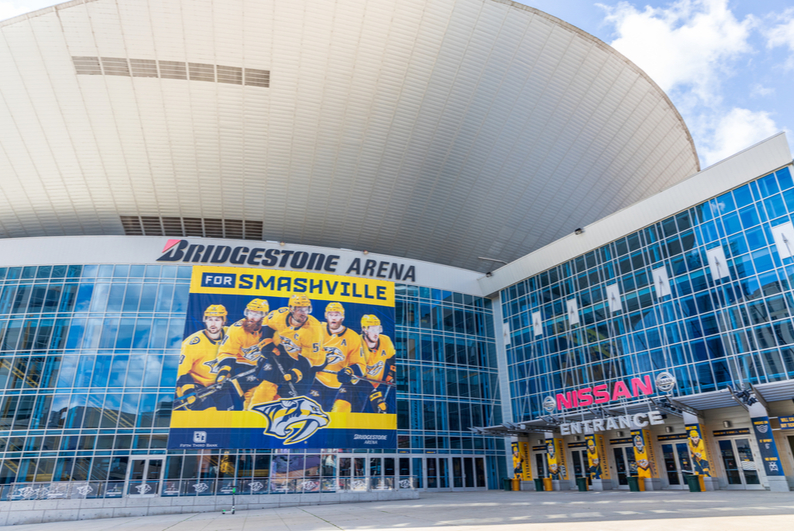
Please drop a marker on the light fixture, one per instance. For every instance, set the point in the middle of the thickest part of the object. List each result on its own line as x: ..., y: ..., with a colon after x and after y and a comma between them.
x: 281, y: 243
x: 727, y: 424
x: 619, y: 434
x: 669, y: 429
x: 366, y: 251
x: 578, y: 231
x: 576, y: 437
x: 488, y: 274
x: 539, y: 441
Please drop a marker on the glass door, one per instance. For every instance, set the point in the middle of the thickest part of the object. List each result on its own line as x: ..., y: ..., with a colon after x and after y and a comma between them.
x: 352, y: 473
x: 145, y: 476
x: 739, y: 464
x: 677, y: 462
x: 579, y: 461
x: 541, y: 465
x: 625, y: 464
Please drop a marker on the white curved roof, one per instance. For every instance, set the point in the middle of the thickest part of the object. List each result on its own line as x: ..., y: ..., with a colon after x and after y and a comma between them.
x: 440, y: 130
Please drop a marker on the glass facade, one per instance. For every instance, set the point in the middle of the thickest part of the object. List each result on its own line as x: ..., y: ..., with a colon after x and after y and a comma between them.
x: 88, y: 363
x: 709, y: 333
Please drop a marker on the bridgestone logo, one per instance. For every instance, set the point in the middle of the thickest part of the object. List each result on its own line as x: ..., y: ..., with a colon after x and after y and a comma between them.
x: 359, y: 437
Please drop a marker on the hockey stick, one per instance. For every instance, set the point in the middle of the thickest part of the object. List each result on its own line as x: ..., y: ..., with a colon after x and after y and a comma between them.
x: 366, y: 379
x: 214, y: 388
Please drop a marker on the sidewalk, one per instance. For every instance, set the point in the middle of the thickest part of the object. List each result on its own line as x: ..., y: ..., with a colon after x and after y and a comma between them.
x: 492, y: 510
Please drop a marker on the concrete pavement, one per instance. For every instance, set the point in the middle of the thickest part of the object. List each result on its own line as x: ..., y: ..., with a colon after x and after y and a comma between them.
x: 493, y: 511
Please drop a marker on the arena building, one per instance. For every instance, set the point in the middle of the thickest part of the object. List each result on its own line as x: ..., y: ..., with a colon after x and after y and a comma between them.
x: 563, y: 270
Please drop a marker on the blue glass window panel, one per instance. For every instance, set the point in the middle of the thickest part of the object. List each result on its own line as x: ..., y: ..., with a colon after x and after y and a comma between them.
x: 175, y: 332
x: 125, y: 334
x: 742, y: 196
x: 183, y: 272
x: 789, y: 200
x: 143, y: 328
x: 99, y: 298
x: 76, y: 329
x: 153, y: 271
x: 715, y: 347
x: 165, y: 292
x: 684, y: 383
x: 180, y: 298
x: 27, y: 334
x: 148, y: 297
x: 783, y: 332
x: 705, y: 378
x: 7, y: 298
x: 74, y: 416
x: 677, y: 353
x: 21, y: 298
x: 768, y: 185
x: 764, y: 337
x: 29, y: 272
x: 763, y: 261
x: 118, y: 371
x: 775, y: 207
x: 84, y: 370
x: 135, y: 372
x: 102, y: 370
x: 109, y: 329
x: 147, y: 407
x: 784, y: 178
x: 83, y: 299
x: 13, y: 273
x: 725, y: 203
x: 115, y: 298
x: 157, y: 336
x: 129, y: 411
x: 737, y: 245
x: 132, y: 297
x: 722, y: 374
x: 92, y: 333
x: 731, y: 223
x: 37, y: 299
x: 698, y: 349
x: 51, y: 299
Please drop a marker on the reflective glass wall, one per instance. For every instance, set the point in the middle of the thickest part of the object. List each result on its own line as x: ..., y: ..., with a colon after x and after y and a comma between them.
x: 88, y: 363
x: 709, y: 333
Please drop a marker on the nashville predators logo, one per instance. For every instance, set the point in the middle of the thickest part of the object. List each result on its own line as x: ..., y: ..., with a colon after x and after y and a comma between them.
x: 375, y: 370
x: 293, y: 419
x: 333, y: 355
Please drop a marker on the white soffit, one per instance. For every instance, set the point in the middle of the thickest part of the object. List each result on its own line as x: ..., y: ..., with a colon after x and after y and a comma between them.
x: 438, y: 130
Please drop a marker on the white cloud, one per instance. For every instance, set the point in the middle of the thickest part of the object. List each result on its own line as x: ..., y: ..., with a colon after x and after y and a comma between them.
x: 759, y: 91
x: 737, y: 130
x: 782, y: 34
x: 688, y: 45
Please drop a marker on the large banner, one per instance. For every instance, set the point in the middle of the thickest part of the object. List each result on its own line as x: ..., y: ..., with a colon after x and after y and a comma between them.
x: 597, y: 467
x: 767, y: 446
x: 521, y: 461
x: 283, y: 359
x: 556, y: 459
x: 699, y: 456
x: 644, y: 454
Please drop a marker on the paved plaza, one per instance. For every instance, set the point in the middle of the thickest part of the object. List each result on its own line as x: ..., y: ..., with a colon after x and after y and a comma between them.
x: 493, y: 510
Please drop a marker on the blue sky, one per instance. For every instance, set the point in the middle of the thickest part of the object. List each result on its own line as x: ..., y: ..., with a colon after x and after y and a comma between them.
x: 726, y: 65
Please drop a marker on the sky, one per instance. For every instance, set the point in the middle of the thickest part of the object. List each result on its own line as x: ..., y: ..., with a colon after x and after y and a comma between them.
x: 726, y: 65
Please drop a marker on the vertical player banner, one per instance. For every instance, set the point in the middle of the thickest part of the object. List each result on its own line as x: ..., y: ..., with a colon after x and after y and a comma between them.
x: 596, y: 455
x: 699, y: 456
x: 283, y: 359
x: 521, y: 462
x: 556, y: 459
x: 644, y: 454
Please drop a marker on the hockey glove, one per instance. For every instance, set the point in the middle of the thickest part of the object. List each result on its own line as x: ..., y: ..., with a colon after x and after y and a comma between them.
x: 377, y: 401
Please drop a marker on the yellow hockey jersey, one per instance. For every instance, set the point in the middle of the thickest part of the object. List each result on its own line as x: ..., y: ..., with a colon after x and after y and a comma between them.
x: 198, y: 357
x: 343, y: 349
x: 305, y: 340
x: 241, y: 345
x: 378, y: 357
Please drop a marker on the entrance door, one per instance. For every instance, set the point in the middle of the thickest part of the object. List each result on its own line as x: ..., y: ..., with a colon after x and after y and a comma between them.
x: 579, y: 461
x: 352, y: 473
x: 541, y: 465
x: 739, y: 464
x: 625, y: 464
x: 677, y: 462
x: 145, y: 476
